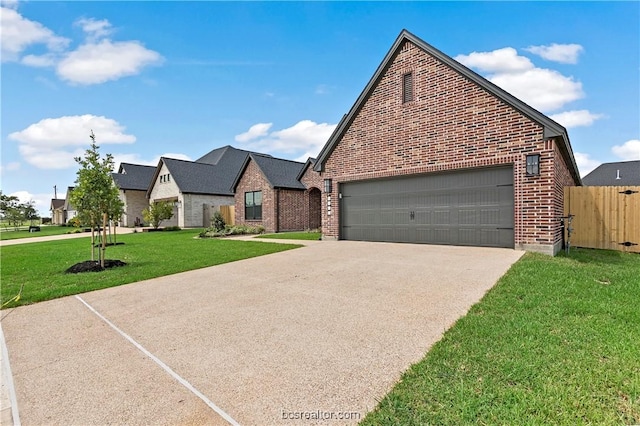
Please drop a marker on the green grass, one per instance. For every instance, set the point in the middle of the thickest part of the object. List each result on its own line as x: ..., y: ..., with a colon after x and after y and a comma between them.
x: 40, y: 266
x: 556, y: 341
x: 292, y: 236
x: 45, y: 231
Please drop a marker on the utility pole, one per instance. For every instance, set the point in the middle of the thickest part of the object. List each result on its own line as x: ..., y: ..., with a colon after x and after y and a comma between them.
x: 55, y: 192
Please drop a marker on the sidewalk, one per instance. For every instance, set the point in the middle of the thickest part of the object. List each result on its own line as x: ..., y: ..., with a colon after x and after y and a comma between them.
x: 60, y: 237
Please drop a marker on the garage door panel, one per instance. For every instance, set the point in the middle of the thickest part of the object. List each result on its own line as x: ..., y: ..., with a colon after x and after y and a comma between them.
x: 471, y: 207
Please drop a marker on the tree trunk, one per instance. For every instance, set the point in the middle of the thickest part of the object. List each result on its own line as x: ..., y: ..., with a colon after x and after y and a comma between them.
x: 93, y: 243
x: 104, y: 238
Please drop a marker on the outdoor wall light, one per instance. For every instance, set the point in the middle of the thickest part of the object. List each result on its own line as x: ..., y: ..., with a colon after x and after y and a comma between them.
x: 327, y: 186
x: 533, y: 164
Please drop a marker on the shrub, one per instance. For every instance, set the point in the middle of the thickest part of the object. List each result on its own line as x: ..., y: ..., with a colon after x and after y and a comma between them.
x: 212, y: 232
x: 172, y: 228
x: 218, y: 222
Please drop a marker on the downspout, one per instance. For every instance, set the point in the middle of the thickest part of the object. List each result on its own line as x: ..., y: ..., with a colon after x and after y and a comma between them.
x: 277, y: 210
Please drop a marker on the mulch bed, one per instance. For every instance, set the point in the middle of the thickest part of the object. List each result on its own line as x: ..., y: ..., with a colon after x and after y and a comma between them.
x: 94, y: 266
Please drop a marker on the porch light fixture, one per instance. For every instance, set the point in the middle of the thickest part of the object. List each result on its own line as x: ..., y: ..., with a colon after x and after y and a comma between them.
x: 327, y: 186
x: 533, y: 165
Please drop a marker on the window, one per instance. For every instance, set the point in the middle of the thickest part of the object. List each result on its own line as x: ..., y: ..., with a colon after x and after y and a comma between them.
x: 165, y: 178
x: 253, y: 205
x: 533, y: 165
x: 407, y: 88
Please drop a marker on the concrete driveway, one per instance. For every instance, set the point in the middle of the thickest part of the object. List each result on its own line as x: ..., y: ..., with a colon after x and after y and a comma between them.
x: 322, y: 332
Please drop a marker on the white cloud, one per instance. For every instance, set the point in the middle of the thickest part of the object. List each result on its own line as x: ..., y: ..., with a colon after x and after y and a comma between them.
x: 11, y: 4
x: 505, y: 60
x: 630, y: 150
x: 94, y: 29
x: 576, y: 118
x: 542, y: 88
x: 18, y: 33
x: 46, y: 60
x: 306, y: 136
x: 42, y: 202
x: 137, y: 159
x: 255, y: 131
x: 52, y: 143
x: 10, y: 167
x: 563, y: 53
x: 585, y: 163
x: 95, y: 63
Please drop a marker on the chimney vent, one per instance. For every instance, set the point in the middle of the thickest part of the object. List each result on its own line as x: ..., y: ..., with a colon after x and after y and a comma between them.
x: 618, y: 175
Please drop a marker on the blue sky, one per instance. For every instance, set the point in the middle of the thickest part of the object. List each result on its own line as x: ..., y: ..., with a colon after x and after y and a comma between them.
x: 182, y: 78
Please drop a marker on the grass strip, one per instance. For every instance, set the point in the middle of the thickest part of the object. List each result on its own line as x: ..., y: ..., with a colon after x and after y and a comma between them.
x: 40, y: 267
x: 45, y: 231
x: 313, y: 236
x: 554, y: 342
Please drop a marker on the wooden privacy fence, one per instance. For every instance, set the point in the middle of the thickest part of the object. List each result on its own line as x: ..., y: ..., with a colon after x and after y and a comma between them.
x: 228, y: 213
x: 605, y: 217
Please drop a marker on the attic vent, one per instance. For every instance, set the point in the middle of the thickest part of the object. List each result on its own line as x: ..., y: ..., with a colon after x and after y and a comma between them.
x: 407, y: 88
x: 618, y: 175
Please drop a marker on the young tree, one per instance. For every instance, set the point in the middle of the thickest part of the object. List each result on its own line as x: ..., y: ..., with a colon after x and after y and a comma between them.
x: 157, y: 212
x: 95, y: 196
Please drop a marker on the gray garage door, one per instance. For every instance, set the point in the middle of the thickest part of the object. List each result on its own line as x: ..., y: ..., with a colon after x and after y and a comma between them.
x: 470, y: 207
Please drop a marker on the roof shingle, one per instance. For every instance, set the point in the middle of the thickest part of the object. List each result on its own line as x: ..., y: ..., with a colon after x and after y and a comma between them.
x: 624, y: 173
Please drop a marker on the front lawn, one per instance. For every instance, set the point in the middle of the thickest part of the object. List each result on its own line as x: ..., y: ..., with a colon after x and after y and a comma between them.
x: 40, y: 266
x: 45, y: 231
x: 556, y: 341
x: 293, y: 236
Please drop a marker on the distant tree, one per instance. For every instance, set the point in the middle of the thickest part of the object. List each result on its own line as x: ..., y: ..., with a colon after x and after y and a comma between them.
x: 29, y: 212
x: 15, y: 212
x: 157, y: 212
x: 95, y: 195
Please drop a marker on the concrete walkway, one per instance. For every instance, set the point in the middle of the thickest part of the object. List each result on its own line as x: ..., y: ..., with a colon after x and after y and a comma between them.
x: 321, y: 331
x: 59, y: 237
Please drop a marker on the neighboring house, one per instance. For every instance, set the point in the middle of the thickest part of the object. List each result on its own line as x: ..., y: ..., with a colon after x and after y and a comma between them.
x: 432, y: 152
x: 57, y: 211
x: 197, y: 188
x: 69, y: 211
x: 133, y: 182
x: 624, y: 173
x: 281, y: 195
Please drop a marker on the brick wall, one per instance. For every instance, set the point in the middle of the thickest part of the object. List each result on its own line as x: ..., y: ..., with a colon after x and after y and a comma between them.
x: 314, y: 184
x: 282, y: 209
x: 451, y: 124
x: 253, y: 180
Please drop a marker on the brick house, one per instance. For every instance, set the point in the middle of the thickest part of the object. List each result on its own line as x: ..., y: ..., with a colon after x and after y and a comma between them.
x: 432, y: 152
x: 281, y: 195
x: 133, y: 181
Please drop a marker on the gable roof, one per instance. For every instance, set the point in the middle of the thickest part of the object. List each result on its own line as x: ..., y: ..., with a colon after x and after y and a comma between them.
x: 310, y: 162
x: 67, y: 203
x: 624, y: 173
x: 551, y: 128
x: 57, y: 203
x: 279, y: 173
x: 134, y: 176
x: 230, y: 157
x: 196, y: 178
